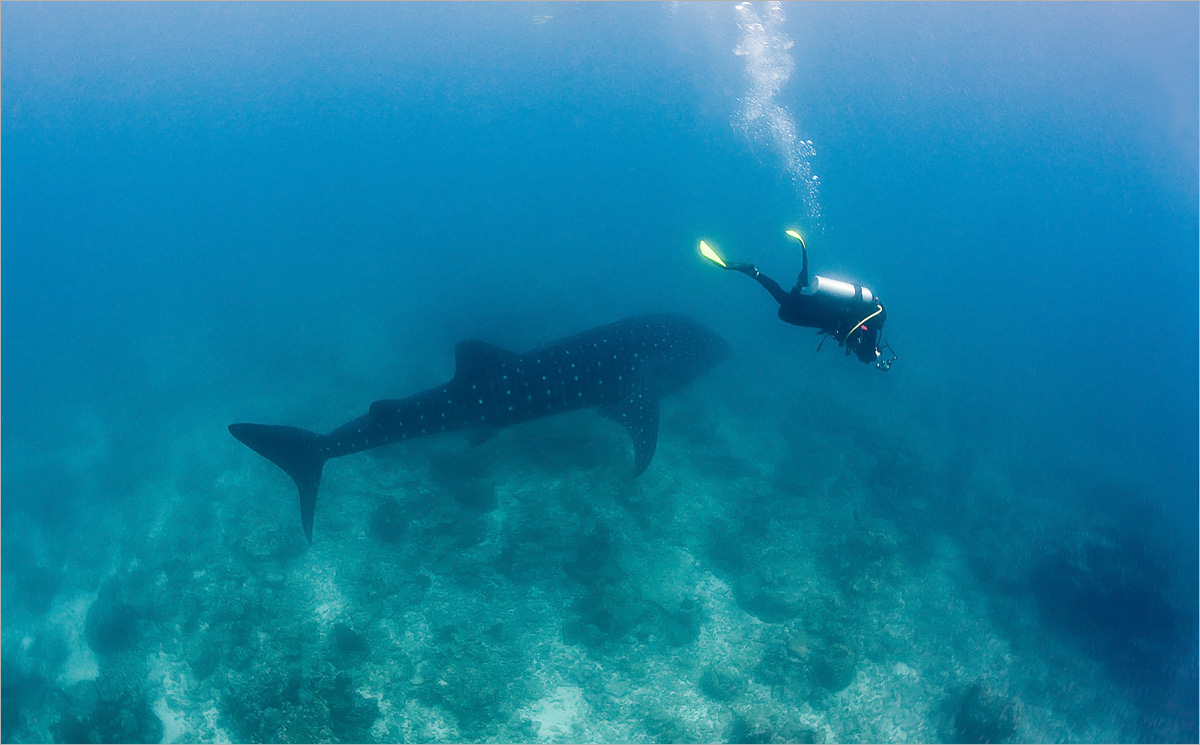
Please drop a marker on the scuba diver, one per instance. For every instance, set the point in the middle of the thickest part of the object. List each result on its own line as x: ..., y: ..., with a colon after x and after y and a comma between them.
x: 848, y: 312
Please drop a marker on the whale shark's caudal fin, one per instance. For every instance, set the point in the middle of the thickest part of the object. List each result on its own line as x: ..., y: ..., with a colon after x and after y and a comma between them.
x: 294, y: 450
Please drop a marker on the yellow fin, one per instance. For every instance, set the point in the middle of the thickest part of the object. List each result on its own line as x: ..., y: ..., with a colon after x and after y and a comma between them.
x: 707, y: 252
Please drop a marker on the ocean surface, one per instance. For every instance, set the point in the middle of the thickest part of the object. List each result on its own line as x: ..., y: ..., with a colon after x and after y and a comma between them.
x: 280, y: 213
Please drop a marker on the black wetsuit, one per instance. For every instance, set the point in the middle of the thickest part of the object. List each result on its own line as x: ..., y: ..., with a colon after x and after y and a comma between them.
x: 831, y: 315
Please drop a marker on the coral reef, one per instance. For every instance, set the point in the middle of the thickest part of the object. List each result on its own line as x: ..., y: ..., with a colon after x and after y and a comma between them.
x: 980, y: 714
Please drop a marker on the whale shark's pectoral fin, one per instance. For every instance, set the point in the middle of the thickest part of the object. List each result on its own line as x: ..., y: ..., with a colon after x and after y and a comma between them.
x: 472, y: 356
x: 639, y: 413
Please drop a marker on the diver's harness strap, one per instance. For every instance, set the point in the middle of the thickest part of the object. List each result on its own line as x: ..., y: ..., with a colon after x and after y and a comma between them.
x: 858, y: 326
x: 881, y: 364
x: 842, y: 341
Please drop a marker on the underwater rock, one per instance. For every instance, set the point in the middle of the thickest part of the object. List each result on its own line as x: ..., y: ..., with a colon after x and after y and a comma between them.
x: 350, y: 646
x: 801, y: 666
x: 395, y: 579
x: 770, y: 598
x: 607, y: 613
x: 1109, y: 592
x: 662, y: 726
x: 650, y: 601
x: 388, y: 522
x: 983, y: 715
x: 679, y: 626
x: 834, y: 668
x: 466, y: 531
x: 722, y: 682
x: 112, y: 623
x: 114, y: 721
x: 465, y: 479
x: 294, y: 703
x: 110, y: 709
x: 476, y: 674
x: 726, y: 548
x: 757, y: 728
x: 617, y: 610
x: 21, y: 692
x: 272, y: 540
x: 351, y: 714
x: 260, y: 709
x: 784, y: 662
x: 593, y: 561
x: 205, y: 660
x: 774, y: 588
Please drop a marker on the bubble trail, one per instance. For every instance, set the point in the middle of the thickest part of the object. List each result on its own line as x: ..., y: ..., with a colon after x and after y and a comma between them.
x: 769, y: 65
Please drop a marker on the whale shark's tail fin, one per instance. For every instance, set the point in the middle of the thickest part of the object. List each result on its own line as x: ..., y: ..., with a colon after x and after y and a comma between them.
x: 294, y: 450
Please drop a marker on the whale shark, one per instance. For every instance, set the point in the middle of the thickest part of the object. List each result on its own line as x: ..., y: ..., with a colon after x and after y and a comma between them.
x: 622, y: 370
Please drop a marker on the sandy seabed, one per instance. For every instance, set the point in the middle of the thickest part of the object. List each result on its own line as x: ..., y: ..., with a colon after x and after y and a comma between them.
x: 754, y: 585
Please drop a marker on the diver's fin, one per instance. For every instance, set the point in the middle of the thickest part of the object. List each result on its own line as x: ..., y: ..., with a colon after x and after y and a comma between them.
x: 639, y: 413
x: 294, y: 450
x: 471, y: 355
x: 796, y: 235
x: 707, y: 252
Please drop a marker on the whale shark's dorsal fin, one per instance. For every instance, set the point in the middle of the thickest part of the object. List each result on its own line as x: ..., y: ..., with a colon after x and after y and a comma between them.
x: 472, y: 356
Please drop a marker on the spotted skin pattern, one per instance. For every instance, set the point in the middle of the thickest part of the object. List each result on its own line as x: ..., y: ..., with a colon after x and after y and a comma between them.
x: 623, y: 369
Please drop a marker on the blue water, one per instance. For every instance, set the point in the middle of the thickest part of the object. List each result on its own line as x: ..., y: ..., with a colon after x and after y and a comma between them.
x: 280, y: 213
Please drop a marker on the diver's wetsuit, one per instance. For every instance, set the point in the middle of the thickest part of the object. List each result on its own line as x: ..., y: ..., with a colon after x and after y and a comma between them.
x: 831, y: 315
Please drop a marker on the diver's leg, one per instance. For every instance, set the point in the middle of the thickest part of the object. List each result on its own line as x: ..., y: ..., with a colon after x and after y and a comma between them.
x: 802, y: 280
x: 772, y: 287
x: 769, y: 284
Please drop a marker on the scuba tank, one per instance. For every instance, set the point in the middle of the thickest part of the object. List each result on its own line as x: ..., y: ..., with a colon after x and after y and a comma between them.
x: 833, y: 288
